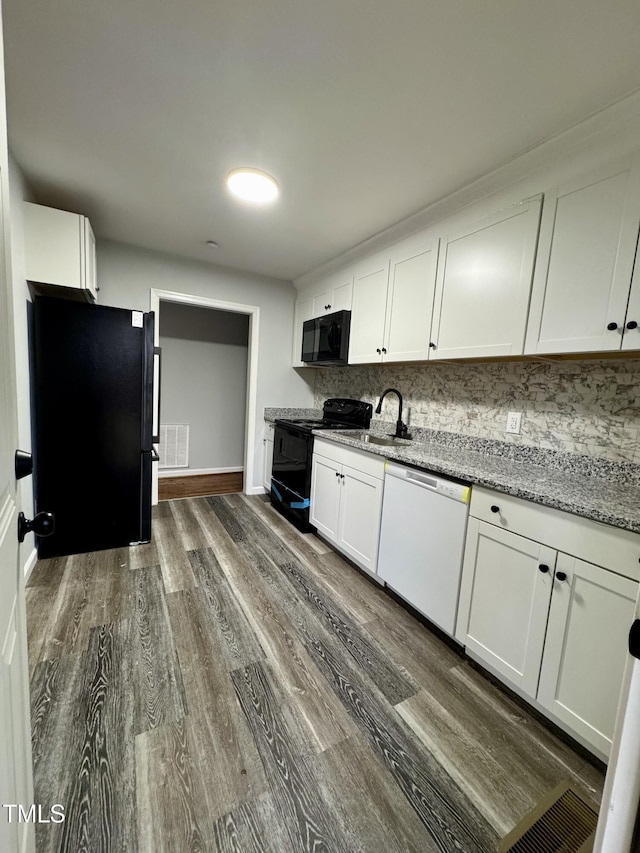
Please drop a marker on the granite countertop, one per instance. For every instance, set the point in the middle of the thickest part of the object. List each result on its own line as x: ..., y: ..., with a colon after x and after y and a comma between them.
x: 602, y: 491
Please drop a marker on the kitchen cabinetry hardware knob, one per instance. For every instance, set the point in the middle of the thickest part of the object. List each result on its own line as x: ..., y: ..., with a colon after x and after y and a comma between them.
x: 337, y: 473
x: 432, y: 345
x: 342, y: 475
x: 42, y: 525
x: 543, y: 568
x: 379, y: 351
x: 384, y: 350
x: 561, y: 576
x: 612, y: 326
x: 632, y: 324
x: 495, y: 508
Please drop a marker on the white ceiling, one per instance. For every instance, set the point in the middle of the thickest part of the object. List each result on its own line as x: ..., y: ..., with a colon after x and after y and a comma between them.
x: 133, y: 111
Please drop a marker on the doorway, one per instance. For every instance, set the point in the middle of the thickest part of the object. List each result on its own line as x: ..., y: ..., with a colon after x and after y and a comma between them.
x: 239, y: 316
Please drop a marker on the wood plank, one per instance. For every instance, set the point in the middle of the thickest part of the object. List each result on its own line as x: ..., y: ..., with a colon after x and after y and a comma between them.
x: 170, y: 791
x: 254, y: 827
x: 48, y: 572
x: 257, y: 540
x: 322, y: 718
x: 144, y: 556
x: 176, y: 569
x: 159, y: 691
x: 237, y: 643
x: 191, y: 533
x: 221, y: 738
x: 293, y: 788
x: 198, y: 485
x: 452, y: 820
x: 365, y: 802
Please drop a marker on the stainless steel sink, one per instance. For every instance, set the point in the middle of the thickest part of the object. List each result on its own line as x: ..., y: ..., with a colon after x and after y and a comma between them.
x: 368, y: 438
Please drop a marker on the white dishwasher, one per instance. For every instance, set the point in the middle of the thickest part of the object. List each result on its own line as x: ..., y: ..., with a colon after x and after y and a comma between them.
x: 424, y: 523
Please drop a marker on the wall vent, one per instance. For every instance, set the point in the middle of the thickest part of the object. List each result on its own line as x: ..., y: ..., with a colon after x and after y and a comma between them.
x: 174, y: 446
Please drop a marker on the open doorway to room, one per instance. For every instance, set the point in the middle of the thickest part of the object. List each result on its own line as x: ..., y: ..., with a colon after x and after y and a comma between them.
x: 207, y: 395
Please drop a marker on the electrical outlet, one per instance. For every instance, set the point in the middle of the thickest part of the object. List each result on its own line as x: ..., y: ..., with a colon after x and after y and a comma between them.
x: 513, y: 422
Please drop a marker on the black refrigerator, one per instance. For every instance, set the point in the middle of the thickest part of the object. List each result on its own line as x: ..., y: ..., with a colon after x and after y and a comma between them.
x: 93, y: 403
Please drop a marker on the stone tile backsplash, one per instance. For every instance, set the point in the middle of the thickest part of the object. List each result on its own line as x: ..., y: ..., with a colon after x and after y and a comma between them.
x: 588, y: 407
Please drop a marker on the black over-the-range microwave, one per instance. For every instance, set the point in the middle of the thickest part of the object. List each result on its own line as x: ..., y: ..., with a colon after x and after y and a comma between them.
x: 325, y: 340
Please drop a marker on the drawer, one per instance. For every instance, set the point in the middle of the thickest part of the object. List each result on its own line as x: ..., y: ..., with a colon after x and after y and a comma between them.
x: 360, y: 460
x: 610, y: 547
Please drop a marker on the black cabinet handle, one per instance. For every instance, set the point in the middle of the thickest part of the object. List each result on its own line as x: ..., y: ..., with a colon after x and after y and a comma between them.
x: 561, y: 576
x: 384, y: 349
x: 495, y: 508
x: 342, y: 475
x: 432, y: 345
x: 337, y: 473
x: 632, y: 324
x: 379, y: 351
x: 612, y: 326
x: 543, y: 568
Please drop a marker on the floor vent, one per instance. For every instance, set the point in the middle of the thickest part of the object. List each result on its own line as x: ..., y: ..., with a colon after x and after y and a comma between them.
x: 561, y: 823
x: 174, y: 446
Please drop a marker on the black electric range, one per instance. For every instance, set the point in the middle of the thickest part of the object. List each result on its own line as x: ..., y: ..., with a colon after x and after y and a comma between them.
x: 292, y: 454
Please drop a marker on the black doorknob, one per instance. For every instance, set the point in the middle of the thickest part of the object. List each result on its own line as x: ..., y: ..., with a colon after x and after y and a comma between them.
x: 561, y: 576
x: 543, y: 568
x: 632, y: 324
x: 42, y: 525
x: 495, y: 508
x: 612, y: 326
x: 23, y: 463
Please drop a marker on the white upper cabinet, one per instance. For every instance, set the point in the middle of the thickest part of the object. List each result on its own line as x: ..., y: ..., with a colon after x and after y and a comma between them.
x: 393, y: 303
x: 586, y: 254
x: 368, y: 310
x: 59, y: 249
x: 332, y: 294
x: 483, y: 286
x: 412, y: 283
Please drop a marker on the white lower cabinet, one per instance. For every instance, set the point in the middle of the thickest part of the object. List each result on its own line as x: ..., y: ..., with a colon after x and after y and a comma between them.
x: 506, y: 587
x: 550, y: 624
x: 346, y: 500
x: 268, y: 455
x: 584, y: 654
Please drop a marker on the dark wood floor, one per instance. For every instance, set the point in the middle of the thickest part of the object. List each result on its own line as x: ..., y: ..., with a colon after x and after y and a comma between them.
x: 236, y: 686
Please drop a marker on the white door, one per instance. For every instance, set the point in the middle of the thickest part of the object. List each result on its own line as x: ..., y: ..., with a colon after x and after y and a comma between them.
x: 412, y: 283
x: 484, y: 283
x: 325, y: 496
x: 585, y: 260
x: 360, y: 516
x: 504, y: 601
x: 368, y: 310
x: 585, y: 650
x: 15, y: 733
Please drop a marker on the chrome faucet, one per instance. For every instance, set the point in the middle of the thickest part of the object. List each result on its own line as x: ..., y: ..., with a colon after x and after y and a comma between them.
x: 402, y: 431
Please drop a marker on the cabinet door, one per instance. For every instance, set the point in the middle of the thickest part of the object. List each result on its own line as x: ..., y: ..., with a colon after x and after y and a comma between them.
x: 303, y: 311
x: 585, y: 650
x: 322, y: 304
x: 89, y: 258
x: 52, y: 245
x: 631, y: 336
x: 484, y: 283
x: 504, y: 601
x: 325, y: 496
x: 360, y: 514
x: 585, y: 261
x: 268, y: 456
x: 342, y: 293
x: 368, y: 310
x: 412, y: 282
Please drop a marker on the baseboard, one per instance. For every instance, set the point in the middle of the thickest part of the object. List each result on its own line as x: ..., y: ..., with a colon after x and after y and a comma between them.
x: 30, y: 564
x: 190, y: 472
x: 199, y: 485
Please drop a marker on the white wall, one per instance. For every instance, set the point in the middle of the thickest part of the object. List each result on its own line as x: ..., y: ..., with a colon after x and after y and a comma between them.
x: 126, y: 275
x: 18, y: 193
x: 211, y: 348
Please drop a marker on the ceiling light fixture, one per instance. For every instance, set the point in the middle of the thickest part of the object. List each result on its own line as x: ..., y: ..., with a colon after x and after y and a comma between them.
x: 252, y: 185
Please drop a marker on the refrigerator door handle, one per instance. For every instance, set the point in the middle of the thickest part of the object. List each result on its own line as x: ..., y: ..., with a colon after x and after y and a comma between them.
x: 157, y: 371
